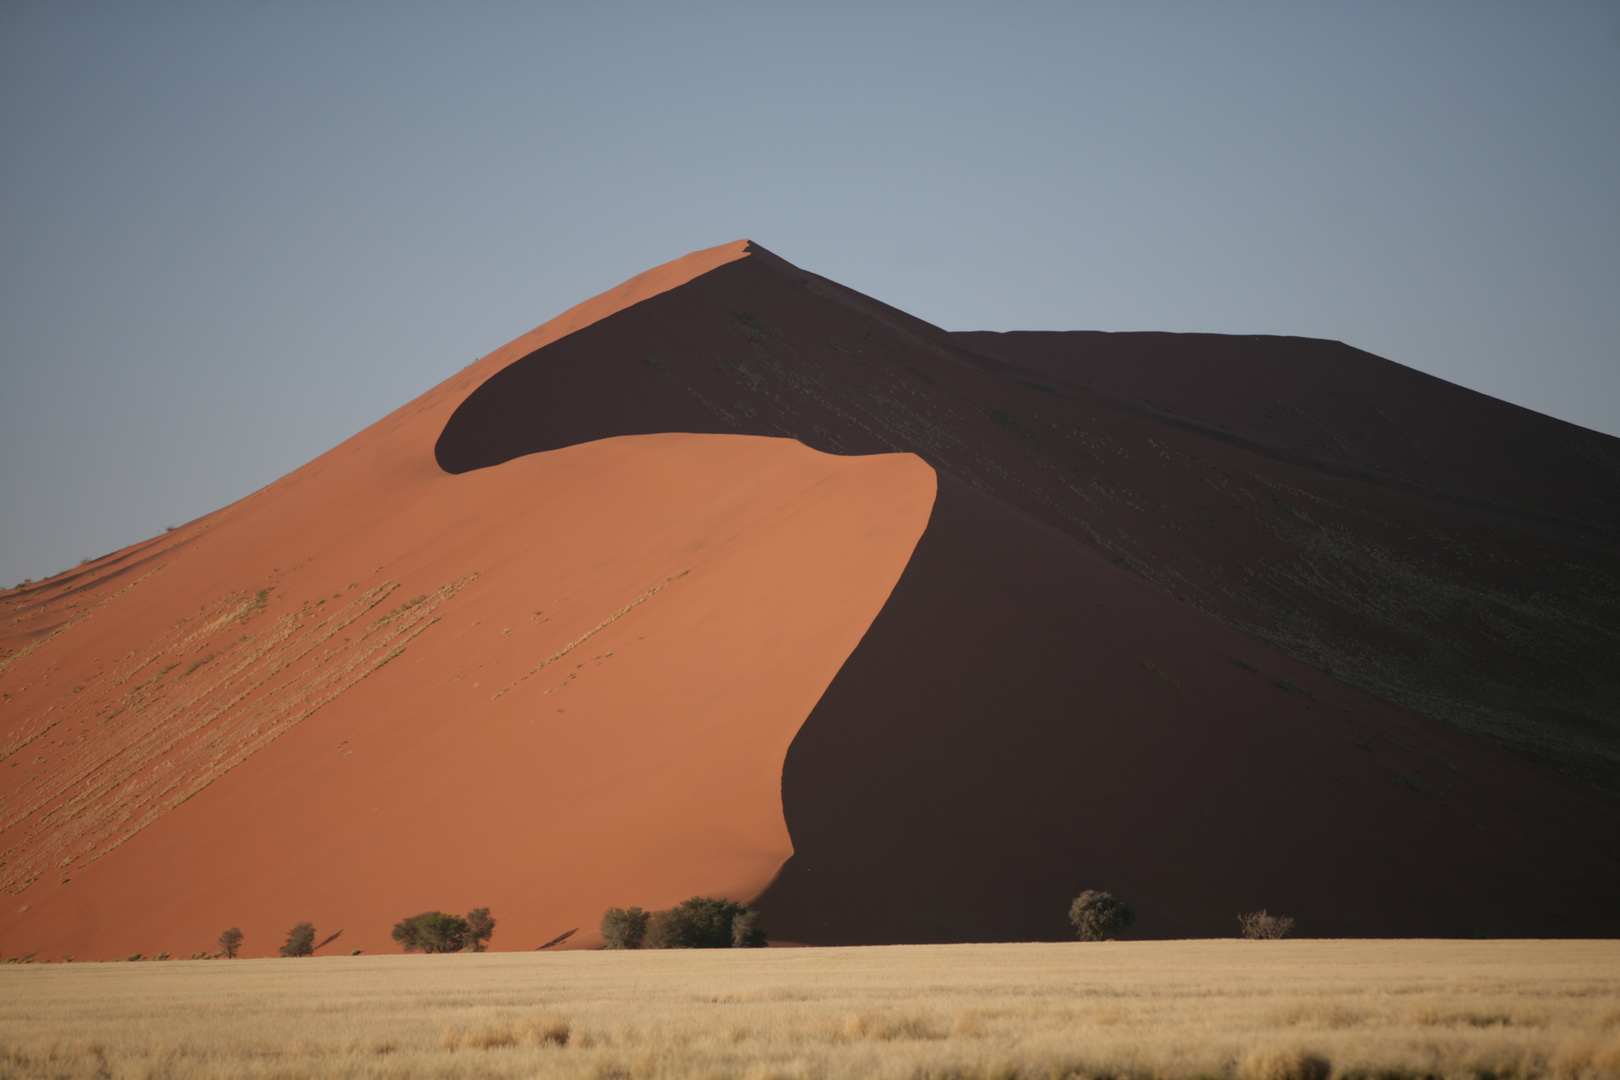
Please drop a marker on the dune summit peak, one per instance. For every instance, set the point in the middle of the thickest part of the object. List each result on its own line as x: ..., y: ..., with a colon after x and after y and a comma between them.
x: 734, y: 581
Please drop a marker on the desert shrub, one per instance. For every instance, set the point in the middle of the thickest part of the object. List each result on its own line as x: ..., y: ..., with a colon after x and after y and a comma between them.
x: 229, y: 942
x: 480, y: 928
x: 432, y: 932
x: 436, y: 932
x: 745, y: 931
x: 624, y: 928
x: 664, y: 930
x: 1099, y: 916
x: 300, y: 940
x: 1260, y: 924
x: 701, y: 923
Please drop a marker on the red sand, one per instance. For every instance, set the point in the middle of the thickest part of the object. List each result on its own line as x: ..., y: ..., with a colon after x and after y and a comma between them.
x: 615, y: 646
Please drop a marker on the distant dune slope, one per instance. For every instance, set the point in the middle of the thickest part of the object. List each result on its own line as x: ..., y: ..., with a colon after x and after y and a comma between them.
x: 1470, y: 566
x: 1184, y: 623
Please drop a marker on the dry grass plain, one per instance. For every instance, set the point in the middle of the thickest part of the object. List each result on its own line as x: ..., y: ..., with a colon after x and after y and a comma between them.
x: 1246, y: 1010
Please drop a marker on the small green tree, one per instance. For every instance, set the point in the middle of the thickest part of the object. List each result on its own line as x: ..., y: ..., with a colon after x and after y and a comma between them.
x: 700, y: 923
x: 1098, y: 916
x: 480, y: 928
x: 433, y: 932
x: 229, y: 942
x: 300, y: 940
x: 624, y: 928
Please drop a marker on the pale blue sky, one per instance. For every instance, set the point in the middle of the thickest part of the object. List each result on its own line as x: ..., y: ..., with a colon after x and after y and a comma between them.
x: 232, y: 235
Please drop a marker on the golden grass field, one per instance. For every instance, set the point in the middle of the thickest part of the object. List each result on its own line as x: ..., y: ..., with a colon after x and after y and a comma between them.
x: 1250, y: 1010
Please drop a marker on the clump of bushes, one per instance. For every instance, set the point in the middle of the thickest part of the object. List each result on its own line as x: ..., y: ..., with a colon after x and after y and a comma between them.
x: 1099, y: 916
x: 1261, y: 925
x: 436, y: 932
x: 300, y: 940
x: 699, y: 923
x: 624, y: 928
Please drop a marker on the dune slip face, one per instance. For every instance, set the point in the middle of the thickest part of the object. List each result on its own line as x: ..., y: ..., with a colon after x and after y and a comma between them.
x: 735, y: 581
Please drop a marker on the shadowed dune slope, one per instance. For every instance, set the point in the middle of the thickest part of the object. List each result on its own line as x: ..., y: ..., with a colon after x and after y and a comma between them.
x: 1006, y: 735
x: 1024, y: 721
x: 1335, y: 406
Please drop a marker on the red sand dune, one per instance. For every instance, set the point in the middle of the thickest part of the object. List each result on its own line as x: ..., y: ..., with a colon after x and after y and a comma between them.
x: 547, y: 687
x: 1215, y: 623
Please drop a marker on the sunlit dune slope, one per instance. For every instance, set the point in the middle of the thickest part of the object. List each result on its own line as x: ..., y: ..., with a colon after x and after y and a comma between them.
x: 374, y: 688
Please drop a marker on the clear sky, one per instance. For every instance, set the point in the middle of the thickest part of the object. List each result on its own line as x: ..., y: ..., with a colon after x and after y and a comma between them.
x: 234, y: 234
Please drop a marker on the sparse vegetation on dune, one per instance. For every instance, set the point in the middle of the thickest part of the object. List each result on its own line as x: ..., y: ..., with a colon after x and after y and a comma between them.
x: 1298, y: 1010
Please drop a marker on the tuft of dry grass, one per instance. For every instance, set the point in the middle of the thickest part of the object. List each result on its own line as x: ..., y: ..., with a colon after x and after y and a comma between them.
x: 1189, y: 1010
x: 539, y: 1030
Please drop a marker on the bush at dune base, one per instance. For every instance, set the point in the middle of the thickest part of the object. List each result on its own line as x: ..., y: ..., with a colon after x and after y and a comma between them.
x: 1099, y: 916
x: 436, y: 932
x: 699, y: 923
x: 1262, y: 925
x: 480, y: 928
x: 624, y: 928
x: 300, y: 940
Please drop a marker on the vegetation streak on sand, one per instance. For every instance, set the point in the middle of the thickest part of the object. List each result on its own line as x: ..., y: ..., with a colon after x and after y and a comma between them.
x: 1147, y: 1009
